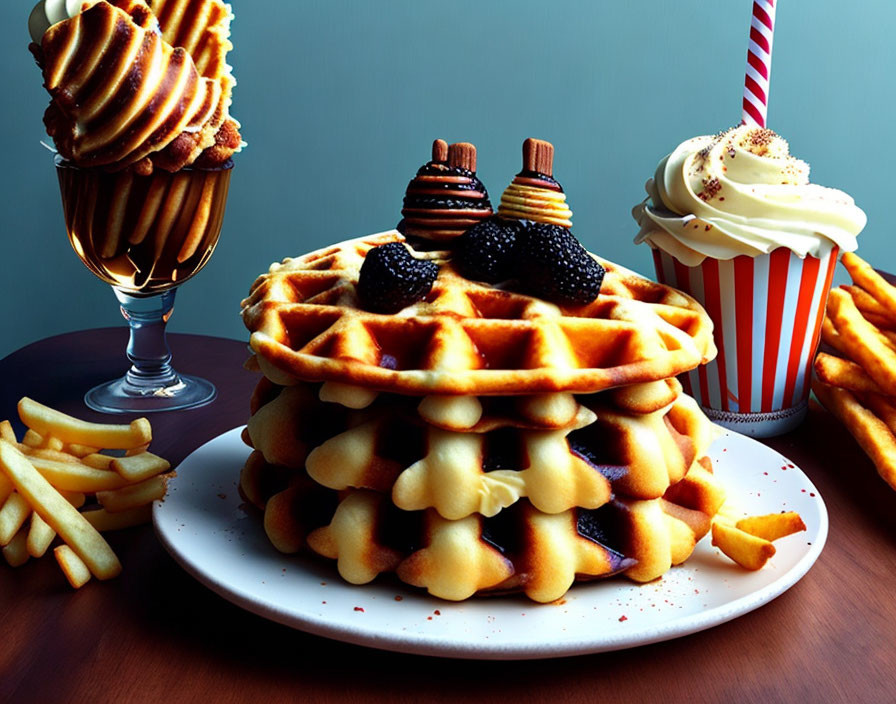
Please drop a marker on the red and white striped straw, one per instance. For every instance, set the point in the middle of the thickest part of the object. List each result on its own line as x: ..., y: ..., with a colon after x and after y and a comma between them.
x: 759, y: 63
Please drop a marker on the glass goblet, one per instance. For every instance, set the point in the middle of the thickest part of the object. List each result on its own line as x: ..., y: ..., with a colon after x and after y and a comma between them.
x: 145, y: 235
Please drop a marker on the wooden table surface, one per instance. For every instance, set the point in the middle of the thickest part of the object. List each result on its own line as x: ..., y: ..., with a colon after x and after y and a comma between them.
x: 155, y: 634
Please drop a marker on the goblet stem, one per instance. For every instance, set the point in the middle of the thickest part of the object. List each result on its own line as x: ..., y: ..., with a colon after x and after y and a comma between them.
x: 151, y: 384
x: 151, y: 373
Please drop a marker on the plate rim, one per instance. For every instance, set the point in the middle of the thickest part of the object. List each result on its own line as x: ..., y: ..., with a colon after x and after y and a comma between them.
x: 433, y: 645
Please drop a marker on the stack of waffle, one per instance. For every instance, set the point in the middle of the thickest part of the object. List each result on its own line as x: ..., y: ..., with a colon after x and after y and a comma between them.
x: 480, y: 440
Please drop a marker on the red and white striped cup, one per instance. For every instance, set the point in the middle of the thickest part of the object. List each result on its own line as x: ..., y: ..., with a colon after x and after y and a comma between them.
x: 767, y: 312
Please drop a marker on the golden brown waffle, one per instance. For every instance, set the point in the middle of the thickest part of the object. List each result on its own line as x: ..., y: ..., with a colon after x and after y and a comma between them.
x: 521, y: 549
x: 387, y: 448
x: 466, y: 337
x: 124, y: 96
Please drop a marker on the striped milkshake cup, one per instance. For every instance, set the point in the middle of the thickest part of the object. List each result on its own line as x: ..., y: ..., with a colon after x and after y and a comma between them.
x: 767, y: 312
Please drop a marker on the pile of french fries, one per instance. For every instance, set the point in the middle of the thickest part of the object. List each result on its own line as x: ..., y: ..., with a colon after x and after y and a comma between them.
x: 858, y: 384
x: 74, y: 480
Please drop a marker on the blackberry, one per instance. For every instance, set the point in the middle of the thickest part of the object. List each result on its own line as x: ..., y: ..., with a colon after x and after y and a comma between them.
x: 551, y: 263
x: 391, y: 279
x: 484, y: 252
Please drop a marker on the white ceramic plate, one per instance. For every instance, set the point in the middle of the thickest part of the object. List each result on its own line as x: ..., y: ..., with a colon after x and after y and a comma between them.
x: 222, y: 544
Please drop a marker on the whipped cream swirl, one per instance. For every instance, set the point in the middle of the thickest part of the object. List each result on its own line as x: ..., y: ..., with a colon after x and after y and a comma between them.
x: 741, y: 192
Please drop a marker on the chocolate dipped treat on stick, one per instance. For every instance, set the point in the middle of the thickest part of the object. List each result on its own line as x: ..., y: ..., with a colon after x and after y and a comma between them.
x: 445, y: 198
x: 534, y: 194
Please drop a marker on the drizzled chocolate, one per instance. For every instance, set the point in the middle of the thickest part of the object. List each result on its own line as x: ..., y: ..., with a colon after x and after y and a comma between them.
x: 534, y: 194
x: 445, y: 198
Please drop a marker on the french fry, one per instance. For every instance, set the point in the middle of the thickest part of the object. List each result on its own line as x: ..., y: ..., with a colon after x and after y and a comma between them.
x: 32, y: 439
x: 882, y: 407
x: 53, y: 508
x: 104, y: 521
x: 843, y: 373
x: 137, y: 450
x: 16, y: 551
x: 6, y: 432
x: 73, y: 567
x: 47, y: 421
x: 866, y: 277
x: 40, y: 535
x: 13, y: 516
x: 52, y: 443
x: 867, y: 346
x: 6, y: 488
x: 883, y: 325
x: 37, y: 441
x: 867, y: 303
x: 75, y: 498
x: 98, y: 461
x: 79, y: 450
x: 830, y: 336
x: 870, y: 432
x: 133, y: 495
x: 772, y: 526
x: 46, y: 453
x: 749, y: 551
x: 69, y: 476
x: 139, y: 467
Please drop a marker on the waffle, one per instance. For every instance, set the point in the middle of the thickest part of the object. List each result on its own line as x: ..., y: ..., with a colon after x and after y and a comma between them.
x: 285, y: 419
x: 521, y: 549
x: 467, y: 338
x: 387, y: 448
x: 123, y: 96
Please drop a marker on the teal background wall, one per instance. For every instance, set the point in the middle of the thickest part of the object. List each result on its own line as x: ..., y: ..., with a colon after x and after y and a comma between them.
x: 340, y: 101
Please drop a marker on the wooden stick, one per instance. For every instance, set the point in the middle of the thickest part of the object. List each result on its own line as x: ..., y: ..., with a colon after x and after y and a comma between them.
x: 462, y: 155
x: 538, y: 156
x: 440, y: 151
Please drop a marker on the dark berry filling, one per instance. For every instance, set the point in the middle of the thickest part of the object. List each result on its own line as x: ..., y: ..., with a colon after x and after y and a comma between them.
x: 484, y: 252
x: 391, y: 279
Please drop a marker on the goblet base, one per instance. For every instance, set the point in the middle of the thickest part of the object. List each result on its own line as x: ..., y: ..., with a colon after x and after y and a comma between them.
x: 120, y: 396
